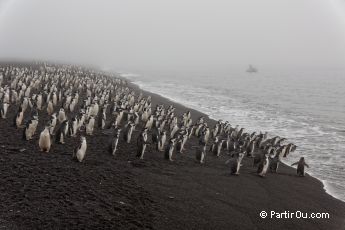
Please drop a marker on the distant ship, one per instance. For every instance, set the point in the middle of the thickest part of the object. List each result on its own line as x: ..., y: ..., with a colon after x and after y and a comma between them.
x: 252, y: 69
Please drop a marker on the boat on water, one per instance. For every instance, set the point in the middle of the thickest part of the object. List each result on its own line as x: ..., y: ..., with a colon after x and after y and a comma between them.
x: 252, y: 69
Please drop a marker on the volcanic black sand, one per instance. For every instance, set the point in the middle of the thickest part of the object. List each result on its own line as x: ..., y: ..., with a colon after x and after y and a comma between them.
x: 51, y: 191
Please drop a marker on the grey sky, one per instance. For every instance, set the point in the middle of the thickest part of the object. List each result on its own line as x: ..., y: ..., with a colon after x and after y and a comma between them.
x: 206, y: 36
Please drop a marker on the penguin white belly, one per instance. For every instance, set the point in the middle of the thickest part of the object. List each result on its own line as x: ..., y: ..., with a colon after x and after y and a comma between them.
x: 19, y: 119
x: 116, y: 141
x: 44, y: 142
x: 6, y: 105
x: 89, y: 128
x: 264, y: 169
x: 81, y: 152
x: 29, y: 132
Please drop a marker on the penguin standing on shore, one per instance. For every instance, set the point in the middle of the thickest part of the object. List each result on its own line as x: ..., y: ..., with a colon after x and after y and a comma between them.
x: 90, y: 126
x: 114, y: 142
x: 235, y: 163
x: 300, y: 166
x: 219, y: 147
x: 45, y: 140
x: 61, y: 116
x: 182, y: 141
x: 39, y: 102
x: 30, y: 128
x: 61, y: 133
x: 213, y: 148
x: 251, y: 148
x: 128, y: 132
x: 73, y: 127
x: 18, y: 119
x: 53, y: 121
x: 170, y: 149
x: 3, y: 109
x: 155, y: 136
x: 141, y: 144
x: 50, y: 107
x: 200, y: 153
x: 263, y: 166
x: 161, y: 141
x: 80, y: 151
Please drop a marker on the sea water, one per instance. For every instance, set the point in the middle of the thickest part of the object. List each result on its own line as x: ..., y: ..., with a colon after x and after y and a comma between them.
x: 306, y: 107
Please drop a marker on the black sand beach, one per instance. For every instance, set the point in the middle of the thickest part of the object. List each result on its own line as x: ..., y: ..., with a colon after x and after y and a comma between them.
x: 51, y: 191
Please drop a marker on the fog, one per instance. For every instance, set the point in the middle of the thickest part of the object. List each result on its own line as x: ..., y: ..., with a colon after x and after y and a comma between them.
x: 180, y: 36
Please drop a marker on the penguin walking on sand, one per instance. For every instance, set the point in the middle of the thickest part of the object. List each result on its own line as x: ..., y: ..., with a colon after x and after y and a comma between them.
x: 3, y: 109
x: 90, y: 126
x: 80, y: 151
x: 128, y: 132
x: 219, y: 147
x: 61, y: 133
x: 19, y: 118
x: 50, y: 107
x: 263, y: 166
x: 45, y: 140
x: 61, y: 115
x: 102, y: 119
x: 235, y: 163
x: 161, y: 141
x: 170, y: 149
x: 114, y: 142
x: 181, y: 141
x: 213, y: 148
x: 53, y: 121
x: 30, y: 128
x: 300, y: 166
x: 73, y: 127
x: 155, y: 136
x: 274, y: 164
x: 141, y: 144
x: 200, y: 153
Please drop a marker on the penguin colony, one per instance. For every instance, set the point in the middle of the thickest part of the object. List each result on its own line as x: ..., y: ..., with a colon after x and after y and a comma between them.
x: 79, y: 101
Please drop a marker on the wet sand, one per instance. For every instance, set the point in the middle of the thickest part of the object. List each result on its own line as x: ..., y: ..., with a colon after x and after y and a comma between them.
x: 51, y: 191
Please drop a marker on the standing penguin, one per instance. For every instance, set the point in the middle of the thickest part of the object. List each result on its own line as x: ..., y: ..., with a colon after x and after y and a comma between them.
x: 3, y: 109
x: 300, y: 166
x: 61, y: 115
x: 90, y: 126
x: 104, y: 119
x: 30, y: 128
x: 45, y: 141
x: 80, y: 151
x: 170, y: 149
x: 219, y: 147
x: 213, y: 148
x: 19, y: 117
x: 161, y: 141
x: 50, y: 107
x: 182, y: 142
x: 201, y: 153
x: 114, y: 142
x: 128, y: 132
x: 263, y: 165
x: 61, y: 133
x: 155, y: 135
x: 73, y: 127
x: 235, y: 163
x: 141, y: 143
x: 53, y: 121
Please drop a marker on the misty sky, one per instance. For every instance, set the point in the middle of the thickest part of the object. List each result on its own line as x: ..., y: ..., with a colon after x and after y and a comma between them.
x: 197, y: 36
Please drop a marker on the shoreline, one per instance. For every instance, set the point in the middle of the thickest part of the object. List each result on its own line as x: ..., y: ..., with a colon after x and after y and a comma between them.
x: 324, y: 182
x: 123, y: 192
x: 285, y: 189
